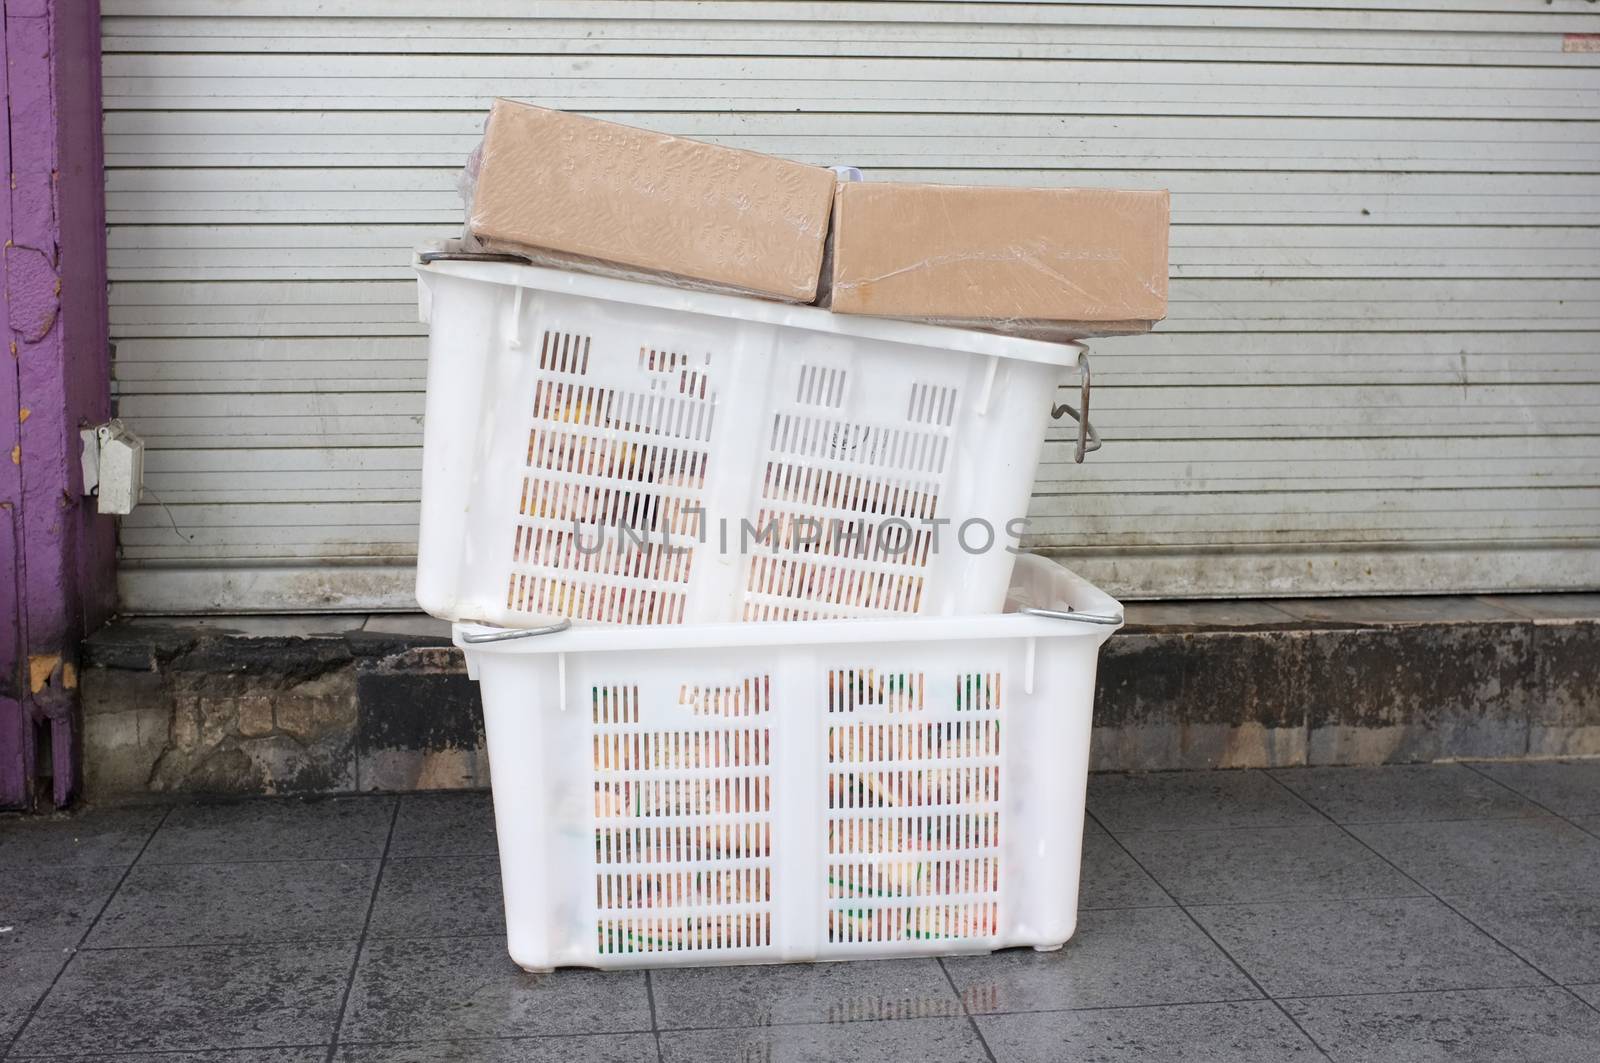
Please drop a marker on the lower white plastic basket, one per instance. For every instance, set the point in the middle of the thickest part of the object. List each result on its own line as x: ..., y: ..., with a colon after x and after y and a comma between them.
x: 754, y: 793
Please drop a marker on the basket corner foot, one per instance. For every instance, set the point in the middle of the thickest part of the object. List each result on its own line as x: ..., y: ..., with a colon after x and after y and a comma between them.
x: 533, y: 961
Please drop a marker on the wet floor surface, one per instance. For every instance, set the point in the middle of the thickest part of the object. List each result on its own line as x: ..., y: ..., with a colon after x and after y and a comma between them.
x: 1440, y: 912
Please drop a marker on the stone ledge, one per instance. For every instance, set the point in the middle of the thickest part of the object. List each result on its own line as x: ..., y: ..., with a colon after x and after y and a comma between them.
x: 278, y: 705
x: 345, y: 704
x: 1349, y: 681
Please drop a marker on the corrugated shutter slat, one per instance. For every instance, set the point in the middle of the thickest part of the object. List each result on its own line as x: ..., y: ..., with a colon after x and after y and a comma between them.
x: 1381, y: 371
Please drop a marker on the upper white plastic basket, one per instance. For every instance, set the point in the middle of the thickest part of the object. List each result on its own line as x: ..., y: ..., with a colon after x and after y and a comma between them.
x: 776, y: 462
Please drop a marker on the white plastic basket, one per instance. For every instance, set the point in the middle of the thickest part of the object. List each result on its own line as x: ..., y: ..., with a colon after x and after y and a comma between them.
x: 562, y: 405
x: 753, y: 793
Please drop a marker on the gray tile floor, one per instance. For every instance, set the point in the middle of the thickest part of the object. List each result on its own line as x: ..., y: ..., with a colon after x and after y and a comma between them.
x: 1447, y: 912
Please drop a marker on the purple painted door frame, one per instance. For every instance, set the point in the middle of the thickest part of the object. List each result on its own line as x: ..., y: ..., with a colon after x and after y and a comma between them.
x: 57, y: 556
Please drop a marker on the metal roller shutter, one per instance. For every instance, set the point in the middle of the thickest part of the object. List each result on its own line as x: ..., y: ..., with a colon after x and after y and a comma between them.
x: 1381, y: 371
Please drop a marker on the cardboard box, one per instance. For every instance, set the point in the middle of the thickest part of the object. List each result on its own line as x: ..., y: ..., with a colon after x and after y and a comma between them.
x: 1047, y: 262
x: 570, y: 190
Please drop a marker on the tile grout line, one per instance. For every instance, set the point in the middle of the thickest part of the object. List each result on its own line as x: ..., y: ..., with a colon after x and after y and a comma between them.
x: 293, y: 860
x: 1417, y: 992
x: 268, y: 942
x: 578, y: 1035
x: 1569, y: 991
x: 1357, y: 822
x: 776, y: 1025
x: 1187, y: 914
x: 361, y: 942
x: 155, y: 1055
x: 235, y: 943
x: 1569, y: 820
x: 1413, y: 895
x: 972, y: 1020
x: 1535, y: 968
x: 837, y: 1023
x: 16, y: 1038
x: 1472, y: 767
x: 1592, y: 832
x: 655, y: 1027
x: 401, y: 858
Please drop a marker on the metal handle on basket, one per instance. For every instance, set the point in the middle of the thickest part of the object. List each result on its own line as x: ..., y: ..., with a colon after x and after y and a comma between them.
x: 1088, y: 438
x: 508, y: 634
x: 1068, y: 614
x: 427, y: 257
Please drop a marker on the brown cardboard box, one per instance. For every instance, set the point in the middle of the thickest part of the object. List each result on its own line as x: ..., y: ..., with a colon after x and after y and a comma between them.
x: 1048, y: 262
x: 561, y: 187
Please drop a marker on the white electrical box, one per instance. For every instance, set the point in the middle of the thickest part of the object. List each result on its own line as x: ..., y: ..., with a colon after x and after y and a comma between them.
x: 113, y: 467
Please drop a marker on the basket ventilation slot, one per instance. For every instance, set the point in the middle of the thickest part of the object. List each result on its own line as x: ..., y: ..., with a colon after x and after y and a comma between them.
x: 609, y: 518
x: 683, y: 820
x: 749, y: 698
x: 914, y: 845
x: 840, y: 525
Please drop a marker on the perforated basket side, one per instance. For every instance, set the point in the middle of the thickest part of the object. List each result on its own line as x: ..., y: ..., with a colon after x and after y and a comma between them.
x: 855, y: 461
x: 915, y: 821
x: 683, y: 820
x: 617, y: 458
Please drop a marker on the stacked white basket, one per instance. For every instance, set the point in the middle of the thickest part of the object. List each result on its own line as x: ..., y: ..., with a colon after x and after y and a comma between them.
x: 896, y: 767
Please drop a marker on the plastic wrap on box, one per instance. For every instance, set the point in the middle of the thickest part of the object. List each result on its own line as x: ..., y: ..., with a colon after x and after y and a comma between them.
x: 1047, y: 263
x: 466, y: 188
x: 573, y: 192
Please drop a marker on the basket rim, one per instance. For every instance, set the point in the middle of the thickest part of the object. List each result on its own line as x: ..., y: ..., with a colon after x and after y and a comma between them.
x: 750, y: 308
x: 1069, y: 591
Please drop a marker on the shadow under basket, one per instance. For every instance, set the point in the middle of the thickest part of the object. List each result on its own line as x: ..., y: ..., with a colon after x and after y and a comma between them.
x: 760, y: 793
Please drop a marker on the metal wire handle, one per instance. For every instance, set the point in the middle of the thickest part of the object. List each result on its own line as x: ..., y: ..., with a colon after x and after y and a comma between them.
x: 1088, y: 438
x: 509, y: 634
x: 429, y: 257
x: 1078, y: 618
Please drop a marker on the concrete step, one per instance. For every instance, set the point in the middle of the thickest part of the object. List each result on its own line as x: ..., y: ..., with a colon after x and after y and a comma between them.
x: 337, y: 704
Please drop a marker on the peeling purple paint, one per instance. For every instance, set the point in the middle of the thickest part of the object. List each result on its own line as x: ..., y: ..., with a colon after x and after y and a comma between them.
x: 32, y: 293
x: 57, y: 553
